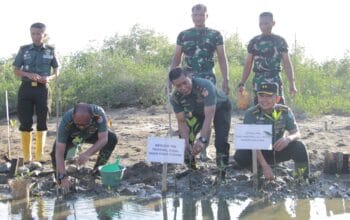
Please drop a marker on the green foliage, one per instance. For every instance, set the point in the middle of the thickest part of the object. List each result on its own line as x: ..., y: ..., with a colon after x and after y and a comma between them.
x: 127, y: 70
x: 322, y: 88
x: 132, y: 70
x: 298, y: 177
x: 142, y: 46
x: 9, y: 83
x: 235, y: 50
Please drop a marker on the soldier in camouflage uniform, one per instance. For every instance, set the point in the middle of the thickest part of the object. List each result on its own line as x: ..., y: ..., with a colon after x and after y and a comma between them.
x: 85, y: 123
x: 198, y: 46
x: 285, y: 134
x: 199, y: 100
x: 266, y: 51
x: 33, y: 63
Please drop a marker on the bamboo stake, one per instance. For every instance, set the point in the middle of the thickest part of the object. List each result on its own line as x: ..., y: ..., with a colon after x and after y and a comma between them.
x: 8, y: 126
x: 255, y: 169
x: 58, y: 189
x: 165, y: 165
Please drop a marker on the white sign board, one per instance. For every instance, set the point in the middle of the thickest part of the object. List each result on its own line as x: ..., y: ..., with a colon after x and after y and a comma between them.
x: 165, y: 150
x: 253, y: 137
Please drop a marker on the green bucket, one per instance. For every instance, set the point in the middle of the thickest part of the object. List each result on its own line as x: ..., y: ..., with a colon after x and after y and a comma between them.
x: 111, y: 174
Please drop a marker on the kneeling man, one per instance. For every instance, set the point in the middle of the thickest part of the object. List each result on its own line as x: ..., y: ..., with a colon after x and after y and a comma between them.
x: 285, y: 134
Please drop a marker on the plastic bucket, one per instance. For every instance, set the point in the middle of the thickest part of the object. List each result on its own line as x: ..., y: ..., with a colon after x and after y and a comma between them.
x: 111, y: 174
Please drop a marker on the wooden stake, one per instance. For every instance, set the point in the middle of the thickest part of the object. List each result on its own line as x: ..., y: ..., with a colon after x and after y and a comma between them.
x: 8, y: 126
x: 165, y: 165
x: 255, y: 168
x: 164, y: 206
x: 13, y: 169
x: 164, y: 177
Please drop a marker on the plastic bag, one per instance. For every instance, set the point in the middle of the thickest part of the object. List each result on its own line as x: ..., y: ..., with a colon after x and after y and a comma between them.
x: 243, y: 100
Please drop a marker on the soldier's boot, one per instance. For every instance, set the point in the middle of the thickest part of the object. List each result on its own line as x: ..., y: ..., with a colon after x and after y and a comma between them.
x: 222, y: 163
x: 26, y: 140
x: 222, y: 158
x: 40, y: 140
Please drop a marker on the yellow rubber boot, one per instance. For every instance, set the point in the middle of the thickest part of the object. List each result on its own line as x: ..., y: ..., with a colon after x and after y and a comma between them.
x: 40, y: 140
x: 26, y: 145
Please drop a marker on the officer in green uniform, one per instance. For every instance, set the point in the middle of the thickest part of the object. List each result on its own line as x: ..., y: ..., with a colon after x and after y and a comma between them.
x: 285, y: 134
x: 85, y: 123
x: 33, y: 64
x: 266, y: 51
x: 198, y: 46
x: 199, y: 100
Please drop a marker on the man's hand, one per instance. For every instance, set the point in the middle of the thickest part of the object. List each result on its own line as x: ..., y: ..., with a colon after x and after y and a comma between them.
x: 197, y: 148
x: 267, y: 171
x: 225, y: 87
x: 44, y: 79
x: 65, y: 185
x: 33, y: 76
x: 241, y: 87
x: 293, y: 90
x: 82, y: 158
x: 281, y: 143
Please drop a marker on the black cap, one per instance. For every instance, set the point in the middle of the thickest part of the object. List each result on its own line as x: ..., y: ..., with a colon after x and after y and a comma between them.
x: 268, y: 88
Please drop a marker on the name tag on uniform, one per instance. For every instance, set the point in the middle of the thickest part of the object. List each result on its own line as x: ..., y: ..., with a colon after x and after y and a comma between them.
x: 34, y: 84
x: 48, y: 56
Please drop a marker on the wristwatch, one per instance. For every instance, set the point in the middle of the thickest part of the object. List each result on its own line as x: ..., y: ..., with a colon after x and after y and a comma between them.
x: 61, y: 176
x: 204, y: 140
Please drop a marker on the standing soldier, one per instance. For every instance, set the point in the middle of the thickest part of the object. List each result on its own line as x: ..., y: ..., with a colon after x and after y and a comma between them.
x: 33, y: 64
x: 266, y: 51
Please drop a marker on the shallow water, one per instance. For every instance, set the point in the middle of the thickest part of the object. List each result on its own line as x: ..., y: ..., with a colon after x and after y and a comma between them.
x: 170, y: 208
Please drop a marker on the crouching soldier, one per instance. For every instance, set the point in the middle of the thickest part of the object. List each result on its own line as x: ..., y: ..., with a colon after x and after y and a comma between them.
x: 198, y: 102
x: 285, y: 134
x: 85, y: 123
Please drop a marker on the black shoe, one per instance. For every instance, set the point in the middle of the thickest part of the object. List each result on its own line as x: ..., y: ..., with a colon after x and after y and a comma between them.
x: 220, y: 177
x: 222, y: 174
x: 182, y: 174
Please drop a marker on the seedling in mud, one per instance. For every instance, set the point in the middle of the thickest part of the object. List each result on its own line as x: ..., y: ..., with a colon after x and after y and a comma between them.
x: 13, y: 126
x: 77, y: 141
x: 299, y: 176
x: 13, y: 123
x: 337, y: 177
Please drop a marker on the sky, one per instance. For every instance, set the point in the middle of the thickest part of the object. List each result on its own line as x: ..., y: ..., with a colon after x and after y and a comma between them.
x: 320, y: 26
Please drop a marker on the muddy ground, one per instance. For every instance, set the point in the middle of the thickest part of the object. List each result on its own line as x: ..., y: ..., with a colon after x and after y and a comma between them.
x: 143, y: 180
